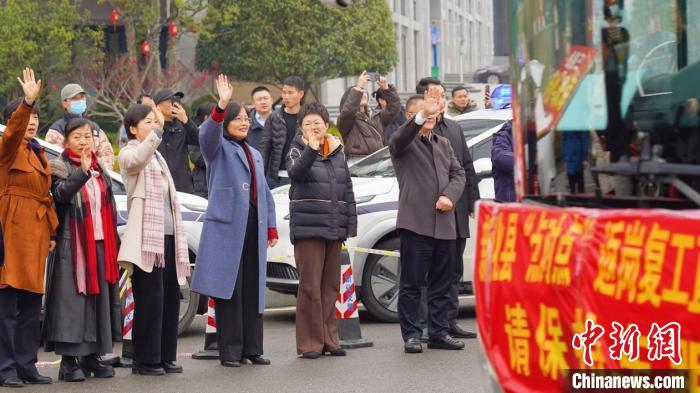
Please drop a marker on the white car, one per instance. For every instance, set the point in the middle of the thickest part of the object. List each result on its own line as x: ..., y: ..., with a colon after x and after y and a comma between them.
x: 376, y: 193
x: 192, y: 208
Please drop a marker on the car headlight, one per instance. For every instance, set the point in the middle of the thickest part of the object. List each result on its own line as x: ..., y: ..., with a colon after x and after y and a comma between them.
x: 196, y: 208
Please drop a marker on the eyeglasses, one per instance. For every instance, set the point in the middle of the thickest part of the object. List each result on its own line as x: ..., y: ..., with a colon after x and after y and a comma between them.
x: 243, y: 119
x: 315, y: 123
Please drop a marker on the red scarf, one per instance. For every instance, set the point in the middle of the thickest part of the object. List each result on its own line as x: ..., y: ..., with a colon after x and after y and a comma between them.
x: 83, y: 236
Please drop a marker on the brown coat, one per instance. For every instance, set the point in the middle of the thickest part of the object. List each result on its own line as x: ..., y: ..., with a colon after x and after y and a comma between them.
x: 426, y: 170
x: 363, y: 134
x: 27, y: 214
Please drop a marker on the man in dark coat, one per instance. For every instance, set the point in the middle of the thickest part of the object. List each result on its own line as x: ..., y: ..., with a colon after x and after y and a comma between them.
x: 261, y: 99
x: 502, y: 160
x: 178, y: 133
x: 431, y: 180
x: 464, y: 207
x: 280, y: 129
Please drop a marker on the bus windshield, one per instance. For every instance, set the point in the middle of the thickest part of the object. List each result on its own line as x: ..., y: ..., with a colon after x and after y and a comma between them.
x: 602, y: 83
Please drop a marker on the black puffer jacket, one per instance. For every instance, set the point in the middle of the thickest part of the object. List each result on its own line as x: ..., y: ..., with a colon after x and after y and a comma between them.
x: 274, y: 137
x: 322, y: 203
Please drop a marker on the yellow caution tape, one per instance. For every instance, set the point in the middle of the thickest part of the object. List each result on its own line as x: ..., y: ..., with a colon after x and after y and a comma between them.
x: 283, y: 258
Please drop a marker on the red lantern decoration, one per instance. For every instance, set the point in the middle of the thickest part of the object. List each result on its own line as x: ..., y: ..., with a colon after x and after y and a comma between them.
x: 145, y: 48
x: 172, y: 29
x: 114, y: 18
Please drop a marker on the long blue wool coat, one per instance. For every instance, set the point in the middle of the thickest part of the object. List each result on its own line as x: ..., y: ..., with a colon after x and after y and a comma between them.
x: 221, y: 243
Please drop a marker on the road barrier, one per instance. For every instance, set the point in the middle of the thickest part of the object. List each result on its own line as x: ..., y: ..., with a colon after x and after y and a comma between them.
x: 127, y: 293
x: 346, y: 309
x: 211, y: 345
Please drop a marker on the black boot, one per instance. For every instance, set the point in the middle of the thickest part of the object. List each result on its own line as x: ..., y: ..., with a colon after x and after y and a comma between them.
x: 92, y: 365
x: 70, y: 370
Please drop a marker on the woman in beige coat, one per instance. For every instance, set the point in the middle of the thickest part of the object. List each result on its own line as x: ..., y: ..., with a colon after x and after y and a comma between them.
x: 154, y: 249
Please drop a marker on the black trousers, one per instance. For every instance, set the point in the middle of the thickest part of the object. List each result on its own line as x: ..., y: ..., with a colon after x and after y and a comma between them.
x: 20, y: 332
x: 576, y: 183
x: 156, y: 310
x: 458, y: 272
x: 239, y: 326
x: 425, y: 261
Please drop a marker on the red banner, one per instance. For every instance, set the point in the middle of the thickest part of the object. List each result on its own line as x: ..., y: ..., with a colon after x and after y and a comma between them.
x: 560, y: 289
x: 563, y: 83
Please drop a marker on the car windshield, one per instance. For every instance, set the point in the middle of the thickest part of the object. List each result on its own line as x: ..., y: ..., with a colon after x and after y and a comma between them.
x: 474, y: 127
x: 376, y: 165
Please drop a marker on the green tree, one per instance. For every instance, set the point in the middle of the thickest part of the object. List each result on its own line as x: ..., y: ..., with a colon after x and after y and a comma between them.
x: 116, y: 82
x: 268, y: 40
x: 49, y: 36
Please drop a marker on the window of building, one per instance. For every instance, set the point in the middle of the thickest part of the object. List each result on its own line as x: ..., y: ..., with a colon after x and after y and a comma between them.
x: 418, y: 55
x: 404, y: 50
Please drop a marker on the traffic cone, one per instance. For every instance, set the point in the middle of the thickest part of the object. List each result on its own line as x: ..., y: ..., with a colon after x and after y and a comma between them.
x: 211, y: 345
x: 127, y: 347
x: 346, y: 309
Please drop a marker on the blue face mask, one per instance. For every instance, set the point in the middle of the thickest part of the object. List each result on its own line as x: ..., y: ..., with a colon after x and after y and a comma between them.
x: 78, y: 107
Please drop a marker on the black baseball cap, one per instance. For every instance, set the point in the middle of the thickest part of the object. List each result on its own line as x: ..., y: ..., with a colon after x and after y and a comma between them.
x: 166, y: 94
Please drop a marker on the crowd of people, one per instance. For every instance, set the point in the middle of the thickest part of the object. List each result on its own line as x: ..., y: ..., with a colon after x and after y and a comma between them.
x: 233, y: 156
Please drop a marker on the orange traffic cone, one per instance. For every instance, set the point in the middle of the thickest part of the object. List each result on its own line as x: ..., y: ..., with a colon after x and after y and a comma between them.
x: 346, y: 309
x: 211, y: 346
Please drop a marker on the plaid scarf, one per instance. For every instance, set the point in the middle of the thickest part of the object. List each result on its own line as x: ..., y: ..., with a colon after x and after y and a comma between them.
x: 153, y: 229
x: 82, y: 234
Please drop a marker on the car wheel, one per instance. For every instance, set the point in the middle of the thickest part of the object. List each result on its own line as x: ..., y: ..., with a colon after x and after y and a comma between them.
x: 380, y: 283
x: 493, y: 79
x: 189, y: 303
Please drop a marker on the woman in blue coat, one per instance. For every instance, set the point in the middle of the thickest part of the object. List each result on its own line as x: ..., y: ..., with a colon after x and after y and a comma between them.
x: 238, y: 227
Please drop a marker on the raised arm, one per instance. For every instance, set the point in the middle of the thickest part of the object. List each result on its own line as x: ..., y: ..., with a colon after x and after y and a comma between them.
x: 403, y: 137
x: 211, y: 132
x: 17, y: 126
x: 393, y: 103
x: 351, y: 105
x: 134, y: 159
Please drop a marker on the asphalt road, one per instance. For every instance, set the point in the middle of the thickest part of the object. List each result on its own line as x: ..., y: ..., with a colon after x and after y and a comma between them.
x: 381, y: 368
